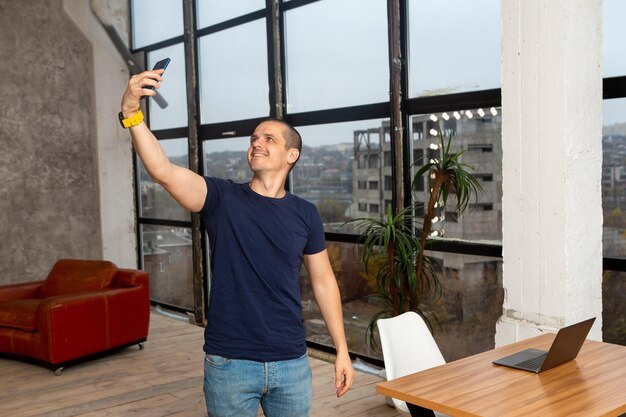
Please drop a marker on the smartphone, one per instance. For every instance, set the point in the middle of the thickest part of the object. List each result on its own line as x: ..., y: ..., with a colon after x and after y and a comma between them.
x: 162, y: 64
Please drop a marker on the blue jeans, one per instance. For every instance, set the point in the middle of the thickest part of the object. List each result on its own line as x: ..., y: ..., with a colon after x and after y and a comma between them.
x: 236, y: 387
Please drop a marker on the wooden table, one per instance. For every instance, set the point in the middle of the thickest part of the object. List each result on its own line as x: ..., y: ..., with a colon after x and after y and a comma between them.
x: 594, y: 384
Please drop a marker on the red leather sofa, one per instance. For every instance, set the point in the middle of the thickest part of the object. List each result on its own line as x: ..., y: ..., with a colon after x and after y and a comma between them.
x: 82, y: 308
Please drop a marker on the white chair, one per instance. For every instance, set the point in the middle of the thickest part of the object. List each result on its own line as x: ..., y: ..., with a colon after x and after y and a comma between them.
x: 408, y: 347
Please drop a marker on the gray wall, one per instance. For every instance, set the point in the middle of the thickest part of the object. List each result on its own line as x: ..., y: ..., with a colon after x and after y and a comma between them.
x: 49, y: 199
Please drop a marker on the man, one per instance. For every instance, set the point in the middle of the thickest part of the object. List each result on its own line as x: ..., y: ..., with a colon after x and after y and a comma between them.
x: 259, y: 235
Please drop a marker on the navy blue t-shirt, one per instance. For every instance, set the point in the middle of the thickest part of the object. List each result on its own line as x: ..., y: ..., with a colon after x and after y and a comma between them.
x: 257, y: 245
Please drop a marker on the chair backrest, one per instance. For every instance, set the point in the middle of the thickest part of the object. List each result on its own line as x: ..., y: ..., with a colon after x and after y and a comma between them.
x: 408, y: 347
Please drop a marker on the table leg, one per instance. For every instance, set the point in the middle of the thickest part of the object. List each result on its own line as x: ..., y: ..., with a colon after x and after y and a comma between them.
x: 417, y: 411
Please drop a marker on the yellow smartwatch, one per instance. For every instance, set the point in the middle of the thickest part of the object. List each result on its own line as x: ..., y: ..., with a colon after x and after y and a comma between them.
x: 131, y: 121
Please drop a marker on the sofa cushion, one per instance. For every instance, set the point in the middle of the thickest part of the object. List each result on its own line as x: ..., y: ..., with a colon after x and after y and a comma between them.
x: 19, y: 314
x: 69, y: 276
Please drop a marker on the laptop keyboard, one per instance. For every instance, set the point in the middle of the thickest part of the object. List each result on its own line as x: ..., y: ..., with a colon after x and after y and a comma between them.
x: 534, y: 363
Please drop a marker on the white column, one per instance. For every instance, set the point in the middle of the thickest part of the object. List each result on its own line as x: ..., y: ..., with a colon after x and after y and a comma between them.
x: 115, y: 157
x: 552, y: 162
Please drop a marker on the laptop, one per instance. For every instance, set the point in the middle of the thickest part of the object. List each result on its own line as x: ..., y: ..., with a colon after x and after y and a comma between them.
x: 565, y: 348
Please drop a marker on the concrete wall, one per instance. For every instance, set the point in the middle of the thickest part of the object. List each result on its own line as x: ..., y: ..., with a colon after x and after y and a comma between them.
x: 53, y: 175
x: 113, y: 146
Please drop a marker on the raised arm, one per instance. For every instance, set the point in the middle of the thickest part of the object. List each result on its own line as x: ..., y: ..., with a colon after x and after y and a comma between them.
x: 326, y: 292
x: 185, y: 186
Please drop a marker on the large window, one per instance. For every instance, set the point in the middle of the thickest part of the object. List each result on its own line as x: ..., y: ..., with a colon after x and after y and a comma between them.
x: 336, y: 57
x: 477, y: 134
x: 170, y: 109
x: 325, y: 69
x: 214, y: 12
x: 324, y: 66
x: 454, y: 46
x: 614, y: 172
x: 614, y: 178
x: 226, y: 158
x: 233, y: 73
x: 144, y: 13
x: 614, y: 33
x: 614, y: 225
x: 155, y: 202
x: 167, y: 256
x: 335, y: 159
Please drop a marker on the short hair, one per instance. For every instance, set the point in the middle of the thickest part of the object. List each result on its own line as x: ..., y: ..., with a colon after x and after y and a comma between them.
x: 292, y: 136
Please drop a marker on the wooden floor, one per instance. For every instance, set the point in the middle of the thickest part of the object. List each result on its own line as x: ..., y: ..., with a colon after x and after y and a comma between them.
x: 164, y: 379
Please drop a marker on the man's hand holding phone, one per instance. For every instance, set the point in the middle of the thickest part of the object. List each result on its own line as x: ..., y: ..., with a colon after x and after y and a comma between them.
x: 142, y: 85
x: 161, y: 65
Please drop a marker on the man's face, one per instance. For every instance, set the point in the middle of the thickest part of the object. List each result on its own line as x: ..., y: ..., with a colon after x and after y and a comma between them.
x: 268, y: 150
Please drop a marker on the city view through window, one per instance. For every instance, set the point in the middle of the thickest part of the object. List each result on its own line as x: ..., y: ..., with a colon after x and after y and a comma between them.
x: 345, y: 170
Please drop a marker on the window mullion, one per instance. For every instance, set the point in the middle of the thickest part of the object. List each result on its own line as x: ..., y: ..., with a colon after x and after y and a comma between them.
x: 194, y: 156
x: 397, y: 128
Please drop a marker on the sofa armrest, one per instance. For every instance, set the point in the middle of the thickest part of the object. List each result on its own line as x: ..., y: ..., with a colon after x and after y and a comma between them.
x: 20, y: 291
x: 77, y: 325
x: 130, y: 278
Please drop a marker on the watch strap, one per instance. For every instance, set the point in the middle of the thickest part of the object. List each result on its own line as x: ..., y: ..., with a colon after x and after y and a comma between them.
x: 136, y: 119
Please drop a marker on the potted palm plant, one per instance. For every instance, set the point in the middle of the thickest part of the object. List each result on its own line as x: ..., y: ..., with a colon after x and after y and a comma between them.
x: 447, y: 176
x: 389, y: 251
x: 394, y: 248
